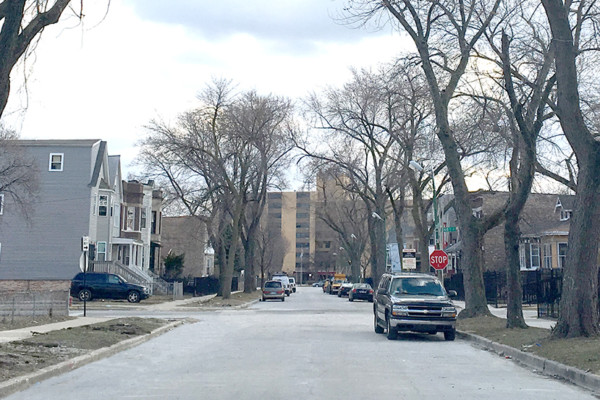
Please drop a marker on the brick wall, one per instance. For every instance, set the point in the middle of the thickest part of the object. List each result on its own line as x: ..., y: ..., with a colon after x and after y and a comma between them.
x: 12, y: 286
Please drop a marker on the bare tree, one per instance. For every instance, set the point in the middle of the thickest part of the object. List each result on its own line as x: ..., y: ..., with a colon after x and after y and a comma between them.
x: 219, y: 161
x: 357, y: 124
x: 445, y: 34
x: 266, y: 123
x: 18, y: 174
x: 344, y: 213
x: 270, y: 250
x: 21, y: 23
x: 573, y: 24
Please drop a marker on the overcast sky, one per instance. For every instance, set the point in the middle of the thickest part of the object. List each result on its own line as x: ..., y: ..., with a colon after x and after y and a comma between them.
x: 148, y: 59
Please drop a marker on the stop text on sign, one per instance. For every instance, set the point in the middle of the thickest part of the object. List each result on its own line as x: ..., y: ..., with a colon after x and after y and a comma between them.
x: 438, y: 259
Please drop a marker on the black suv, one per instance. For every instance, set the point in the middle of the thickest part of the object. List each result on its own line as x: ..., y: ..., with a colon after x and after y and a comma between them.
x: 99, y: 285
x: 413, y: 302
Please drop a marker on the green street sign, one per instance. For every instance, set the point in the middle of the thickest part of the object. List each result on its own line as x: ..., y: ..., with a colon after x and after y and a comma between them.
x: 449, y: 229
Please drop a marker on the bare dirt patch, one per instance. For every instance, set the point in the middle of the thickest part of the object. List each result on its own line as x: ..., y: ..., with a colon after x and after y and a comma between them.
x: 582, y: 353
x: 238, y: 299
x: 42, y: 350
x: 10, y: 323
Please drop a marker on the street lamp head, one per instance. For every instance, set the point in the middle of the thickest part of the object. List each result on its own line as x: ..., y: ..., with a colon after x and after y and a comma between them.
x: 375, y: 215
x: 415, y: 166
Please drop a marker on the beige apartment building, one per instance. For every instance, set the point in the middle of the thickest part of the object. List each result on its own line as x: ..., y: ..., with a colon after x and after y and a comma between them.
x: 291, y: 215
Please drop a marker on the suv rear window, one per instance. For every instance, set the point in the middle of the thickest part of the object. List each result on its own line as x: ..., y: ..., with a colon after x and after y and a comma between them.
x: 416, y: 286
x: 273, y: 284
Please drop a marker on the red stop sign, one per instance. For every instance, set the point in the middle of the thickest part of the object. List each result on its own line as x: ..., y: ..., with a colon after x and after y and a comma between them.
x: 438, y: 259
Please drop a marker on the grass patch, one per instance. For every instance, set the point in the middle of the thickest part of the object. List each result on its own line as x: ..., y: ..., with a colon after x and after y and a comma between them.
x: 582, y: 353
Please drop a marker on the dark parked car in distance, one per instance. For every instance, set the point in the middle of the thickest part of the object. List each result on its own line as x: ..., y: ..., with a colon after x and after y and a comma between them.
x: 361, y: 291
x: 98, y: 285
x: 345, y: 289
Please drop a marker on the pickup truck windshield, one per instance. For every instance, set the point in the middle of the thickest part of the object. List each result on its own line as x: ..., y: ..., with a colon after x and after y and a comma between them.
x: 417, y: 286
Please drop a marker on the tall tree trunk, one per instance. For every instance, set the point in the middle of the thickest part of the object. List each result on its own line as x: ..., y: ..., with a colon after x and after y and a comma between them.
x: 471, y: 231
x: 233, y: 246
x: 472, y: 261
x: 579, y: 301
x: 514, y: 310
x: 249, y: 259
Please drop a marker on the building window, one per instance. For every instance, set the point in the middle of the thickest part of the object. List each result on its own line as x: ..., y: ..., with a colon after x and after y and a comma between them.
x: 103, y: 205
x: 130, y: 222
x: 1, y: 204
x: 56, y: 162
x: 101, y: 251
x: 301, y: 215
x: 534, y: 249
x: 143, y: 219
x: 565, y: 215
x: 302, y: 234
x: 548, y: 255
x: 562, y: 254
x: 274, y: 195
x: 522, y: 257
x: 302, y: 195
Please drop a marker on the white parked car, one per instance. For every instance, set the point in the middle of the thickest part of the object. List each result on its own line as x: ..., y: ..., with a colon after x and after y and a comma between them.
x: 293, y: 284
x: 286, y: 282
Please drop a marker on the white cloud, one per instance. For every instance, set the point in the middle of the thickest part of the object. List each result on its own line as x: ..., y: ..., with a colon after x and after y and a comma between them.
x: 109, y: 80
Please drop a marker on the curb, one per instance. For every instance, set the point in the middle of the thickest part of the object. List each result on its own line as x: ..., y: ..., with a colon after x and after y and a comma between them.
x: 541, y: 365
x: 23, y: 382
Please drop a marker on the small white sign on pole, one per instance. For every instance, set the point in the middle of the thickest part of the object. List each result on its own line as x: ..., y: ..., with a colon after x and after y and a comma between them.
x: 409, y: 259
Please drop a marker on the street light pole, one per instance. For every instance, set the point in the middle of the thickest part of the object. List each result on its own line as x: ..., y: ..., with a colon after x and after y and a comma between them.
x: 301, y: 256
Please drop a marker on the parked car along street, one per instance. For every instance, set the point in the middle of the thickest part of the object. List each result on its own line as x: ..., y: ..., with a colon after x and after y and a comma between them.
x: 361, y: 291
x: 293, y: 284
x: 97, y: 285
x: 413, y: 302
x: 345, y: 289
x: 273, y: 290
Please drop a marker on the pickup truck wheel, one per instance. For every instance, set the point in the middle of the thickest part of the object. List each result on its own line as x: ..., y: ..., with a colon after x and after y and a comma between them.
x: 392, y: 333
x: 133, y: 297
x: 450, y: 335
x: 378, y: 329
x: 84, y: 295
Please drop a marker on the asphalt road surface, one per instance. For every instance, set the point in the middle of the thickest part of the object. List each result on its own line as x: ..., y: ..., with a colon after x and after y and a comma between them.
x: 312, y: 346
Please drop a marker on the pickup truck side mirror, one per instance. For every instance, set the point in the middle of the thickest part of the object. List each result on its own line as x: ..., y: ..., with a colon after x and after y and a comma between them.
x: 452, y: 293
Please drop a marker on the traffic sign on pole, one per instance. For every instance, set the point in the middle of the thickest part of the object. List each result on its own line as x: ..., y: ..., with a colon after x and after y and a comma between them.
x: 438, y: 259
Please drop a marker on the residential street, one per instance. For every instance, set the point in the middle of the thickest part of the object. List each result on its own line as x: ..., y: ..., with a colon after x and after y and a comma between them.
x: 312, y: 346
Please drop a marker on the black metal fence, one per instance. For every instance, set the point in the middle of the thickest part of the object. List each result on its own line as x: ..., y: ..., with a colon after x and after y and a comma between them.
x: 541, y: 288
